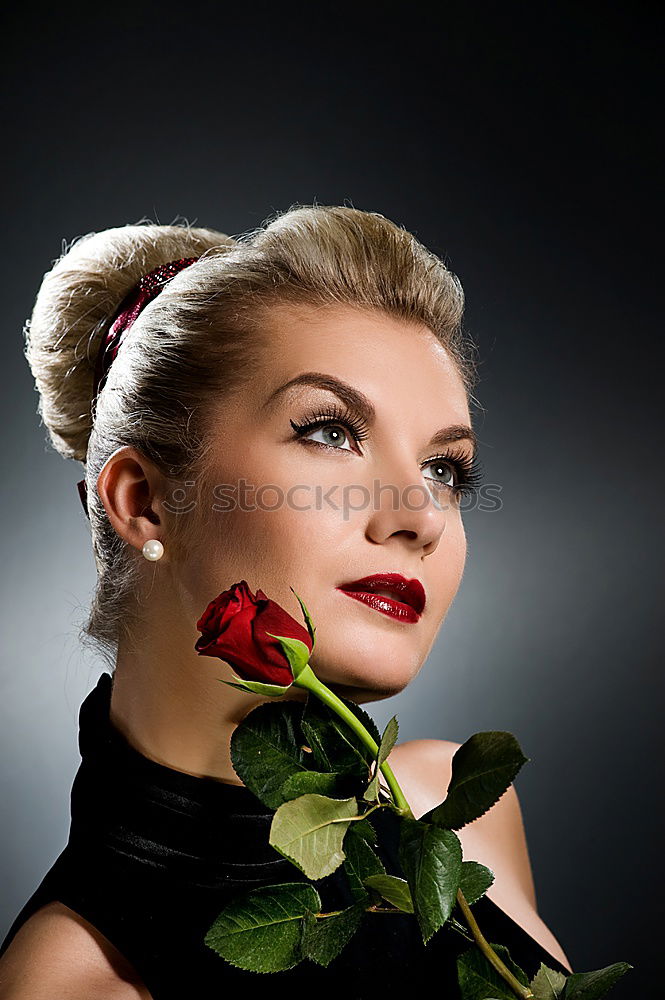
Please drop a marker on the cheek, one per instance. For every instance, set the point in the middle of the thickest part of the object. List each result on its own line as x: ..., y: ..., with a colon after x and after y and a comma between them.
x: 450, y: 558
x: 287, y: 514
x: 261, y: 538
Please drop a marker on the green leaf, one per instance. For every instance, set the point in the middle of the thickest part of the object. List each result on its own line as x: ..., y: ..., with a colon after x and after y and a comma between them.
x: 388, y: 740
x: 330, y: 750
x: 371, y: 793
x: 324, y: 938
x: 360, y: 862
x: 394, y: 889
x: 592, y: 985
x: 296, y: 651
x: 385, y: 746
x: 308, y: 620
x: 475, y: 880
x: 261, y: 930
x: 482, y: 770
x: 309, y: 832
x: 431, y: 859
x: 479, y: 980
x: 367, y: 721
x: 266, y: 748
x: 547, y: 983
x: 273, y: 690
x: 304, y: 782
x: 334, y: 746
x: 364, y: 828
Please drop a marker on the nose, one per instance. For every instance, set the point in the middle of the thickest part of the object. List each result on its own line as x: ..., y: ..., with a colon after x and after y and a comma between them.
x: 404, y: 505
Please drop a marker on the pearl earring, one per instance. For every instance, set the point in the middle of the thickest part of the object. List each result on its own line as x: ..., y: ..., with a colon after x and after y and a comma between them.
x: 153, y: 549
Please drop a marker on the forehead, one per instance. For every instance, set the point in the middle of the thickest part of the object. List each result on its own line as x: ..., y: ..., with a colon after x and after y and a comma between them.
x: 392, y: 361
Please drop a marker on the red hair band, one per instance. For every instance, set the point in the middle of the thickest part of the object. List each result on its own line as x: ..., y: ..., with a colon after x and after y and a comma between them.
x: 149, y: 286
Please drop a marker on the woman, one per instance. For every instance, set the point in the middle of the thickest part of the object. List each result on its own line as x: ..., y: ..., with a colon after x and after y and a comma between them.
x: 290, y: 408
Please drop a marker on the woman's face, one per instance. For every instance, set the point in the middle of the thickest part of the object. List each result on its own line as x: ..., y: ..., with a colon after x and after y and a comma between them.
x: 319, y: 510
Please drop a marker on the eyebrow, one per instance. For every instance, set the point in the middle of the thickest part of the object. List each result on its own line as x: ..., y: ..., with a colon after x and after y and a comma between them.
x: 357, y: 401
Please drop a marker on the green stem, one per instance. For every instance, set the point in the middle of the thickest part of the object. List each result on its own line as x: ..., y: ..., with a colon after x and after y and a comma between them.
x: 521, y: 991
x: 368, y: 909
x: 307, y: 679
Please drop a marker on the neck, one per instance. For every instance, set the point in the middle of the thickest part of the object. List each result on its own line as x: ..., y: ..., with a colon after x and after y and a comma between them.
x: 170, y: 705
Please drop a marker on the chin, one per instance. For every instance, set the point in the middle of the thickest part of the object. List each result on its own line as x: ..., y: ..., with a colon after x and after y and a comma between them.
x: 358, y: 677
x: 361, y: 695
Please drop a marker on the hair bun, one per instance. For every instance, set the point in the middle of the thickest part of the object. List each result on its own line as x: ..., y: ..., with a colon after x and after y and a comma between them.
x: 75, y: 305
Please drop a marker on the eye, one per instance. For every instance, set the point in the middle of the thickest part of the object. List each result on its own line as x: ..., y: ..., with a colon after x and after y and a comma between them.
x: 332, y: 434
x: 445, y: 470
x: 459, y: 472
x: 335, y: 425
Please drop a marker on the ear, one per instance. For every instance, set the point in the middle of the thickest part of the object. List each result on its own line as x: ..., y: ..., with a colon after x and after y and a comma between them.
x: 130, y: 486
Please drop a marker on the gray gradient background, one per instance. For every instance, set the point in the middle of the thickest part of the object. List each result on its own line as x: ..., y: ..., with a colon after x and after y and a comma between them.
x: 517, y: 141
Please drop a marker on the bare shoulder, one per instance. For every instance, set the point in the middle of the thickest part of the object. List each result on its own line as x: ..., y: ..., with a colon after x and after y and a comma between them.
x: 56, y: 952
x: 497, y: 839
x: 423, y: 768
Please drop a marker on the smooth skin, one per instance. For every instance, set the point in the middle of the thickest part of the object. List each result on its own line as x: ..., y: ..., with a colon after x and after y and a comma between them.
x: 167, y: 700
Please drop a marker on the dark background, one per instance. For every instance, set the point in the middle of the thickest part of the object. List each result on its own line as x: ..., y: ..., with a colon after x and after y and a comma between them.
x: 519, y: 141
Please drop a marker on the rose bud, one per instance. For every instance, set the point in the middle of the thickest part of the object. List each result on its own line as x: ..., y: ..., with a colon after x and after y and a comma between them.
x: 242, y: 629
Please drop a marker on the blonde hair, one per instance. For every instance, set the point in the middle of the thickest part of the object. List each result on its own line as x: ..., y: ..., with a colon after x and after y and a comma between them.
x: 198, y: 340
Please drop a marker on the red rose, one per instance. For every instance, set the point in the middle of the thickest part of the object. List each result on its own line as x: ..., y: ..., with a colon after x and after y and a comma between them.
x: 234, y: 627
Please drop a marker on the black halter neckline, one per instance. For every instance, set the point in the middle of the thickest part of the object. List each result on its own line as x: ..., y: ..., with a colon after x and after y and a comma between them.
x: 130, y: 804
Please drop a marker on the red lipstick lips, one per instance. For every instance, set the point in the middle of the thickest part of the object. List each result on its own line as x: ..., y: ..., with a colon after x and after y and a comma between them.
x: 407, y: 598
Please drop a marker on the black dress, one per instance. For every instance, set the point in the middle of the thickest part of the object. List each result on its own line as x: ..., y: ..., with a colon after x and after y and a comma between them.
x: 155, y: 854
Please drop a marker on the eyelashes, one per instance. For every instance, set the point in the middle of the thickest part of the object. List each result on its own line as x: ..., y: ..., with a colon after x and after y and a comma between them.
x: 333, y: 415
x: 467, y: 471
